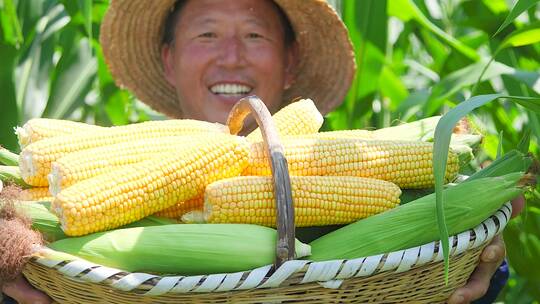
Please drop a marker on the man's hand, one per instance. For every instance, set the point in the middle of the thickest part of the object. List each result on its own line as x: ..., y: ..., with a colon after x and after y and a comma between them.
x: 491, y: 258
x: 24, y: 293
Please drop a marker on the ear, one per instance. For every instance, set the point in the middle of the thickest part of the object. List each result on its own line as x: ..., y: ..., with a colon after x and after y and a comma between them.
x: 291, y: 63
x: 167, y: 59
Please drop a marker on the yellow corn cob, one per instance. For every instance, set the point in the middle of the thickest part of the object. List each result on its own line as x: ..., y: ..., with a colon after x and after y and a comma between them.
x: 130, y: 193
x: 39, y: 128
x: 35, y: 160
x: 300, y: 117
x: 405, y: 163
x: 318, y: 200
x: 81, y: 165
x: 176, y: 211
x: 352, y: 134
x: 36, y: 194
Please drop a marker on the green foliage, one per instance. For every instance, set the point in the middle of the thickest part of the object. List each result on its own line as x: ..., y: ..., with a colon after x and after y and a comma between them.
x: 52, y: 66
x: 520, y: 7
x: 438, y: 54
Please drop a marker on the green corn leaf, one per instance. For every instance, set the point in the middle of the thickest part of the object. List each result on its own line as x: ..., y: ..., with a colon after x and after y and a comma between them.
x: 34, y: 70
x: 75, y: 73
x: 367, y: 23
x: 530, y: 103
x: 525, y: 141
x: 86, y: 9
x: 443, y: 133
x: 500, y: 145
x: 413, y: 103
x: 522, y: 245
x: 10, y: 23
x: 529, y: 78
x: 10, y: 112
x: 520, y: 7
x: 527, y: 37
x: 472, y: 75
x: 407, y: 9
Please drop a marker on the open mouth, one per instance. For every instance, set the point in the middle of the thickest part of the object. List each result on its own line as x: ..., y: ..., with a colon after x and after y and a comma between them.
x: 231, y: 90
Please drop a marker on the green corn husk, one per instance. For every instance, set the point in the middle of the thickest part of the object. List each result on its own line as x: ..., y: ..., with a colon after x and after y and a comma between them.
x: 464, y: 153
x: 12, y: 174
x: 472, y: 141
x: 47, y: 223
x: 185, y: 249
x: 42, y: 219
x: 414, y: 224
x: 8, y: 158
x: 513, y: 161
x: 422, y: 129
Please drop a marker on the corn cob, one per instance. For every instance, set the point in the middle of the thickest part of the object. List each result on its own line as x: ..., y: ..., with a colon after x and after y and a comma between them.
x: 421, y: 130
x: 414, y: 131
x: 414, y: 224
x: 36, y: 194
x: 318, y: 200
x: 300, y: 117
x: 84, y: 164
x: 184, y: 249
x: 35, y: 160
x: 48, y: 225
x: 176, y: 211
x: 130, y: 193
x: 37, y: 129
x: 342, y: 134
x: 405, y: 163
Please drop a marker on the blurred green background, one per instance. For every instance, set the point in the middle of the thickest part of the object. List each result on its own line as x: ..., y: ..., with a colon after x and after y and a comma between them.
x: 416, y: 58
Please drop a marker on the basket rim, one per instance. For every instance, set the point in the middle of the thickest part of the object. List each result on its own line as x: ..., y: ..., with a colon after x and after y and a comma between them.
x: 329, y: 274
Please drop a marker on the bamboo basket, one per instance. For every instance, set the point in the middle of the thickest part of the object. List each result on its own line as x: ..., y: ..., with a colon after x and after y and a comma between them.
x: 414, y: 275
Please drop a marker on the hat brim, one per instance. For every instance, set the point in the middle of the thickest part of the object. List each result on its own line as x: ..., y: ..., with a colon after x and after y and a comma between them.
x: 131, y: 37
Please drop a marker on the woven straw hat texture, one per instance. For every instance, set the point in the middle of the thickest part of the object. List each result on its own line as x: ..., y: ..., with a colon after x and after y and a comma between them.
x: 131, y: 36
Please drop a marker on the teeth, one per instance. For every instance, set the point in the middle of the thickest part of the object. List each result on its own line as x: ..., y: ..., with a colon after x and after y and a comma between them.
x: 232, y: 89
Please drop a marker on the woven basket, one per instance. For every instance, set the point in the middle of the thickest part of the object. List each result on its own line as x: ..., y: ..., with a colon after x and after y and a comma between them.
x: 414, y: 275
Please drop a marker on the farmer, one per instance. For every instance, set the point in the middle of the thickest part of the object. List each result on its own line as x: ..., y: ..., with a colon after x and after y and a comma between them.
x: 195, y: 59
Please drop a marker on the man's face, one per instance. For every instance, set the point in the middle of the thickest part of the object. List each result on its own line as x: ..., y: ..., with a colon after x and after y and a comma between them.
x: 225, y: 50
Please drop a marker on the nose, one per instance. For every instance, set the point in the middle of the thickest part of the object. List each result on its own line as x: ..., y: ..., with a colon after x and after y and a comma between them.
x: 232, y: 52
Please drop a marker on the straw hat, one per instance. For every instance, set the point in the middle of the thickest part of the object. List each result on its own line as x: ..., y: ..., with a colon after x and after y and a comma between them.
x: 132, y: 31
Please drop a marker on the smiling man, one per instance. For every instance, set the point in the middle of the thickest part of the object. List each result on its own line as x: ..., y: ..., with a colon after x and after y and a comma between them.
x: 196, y: 58
x: 225, y: 50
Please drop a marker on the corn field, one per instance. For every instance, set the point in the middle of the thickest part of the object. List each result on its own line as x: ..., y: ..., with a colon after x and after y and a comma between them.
x: 415, y: 59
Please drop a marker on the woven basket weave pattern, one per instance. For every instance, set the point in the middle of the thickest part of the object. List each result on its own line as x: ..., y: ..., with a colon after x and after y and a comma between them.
x: 396, y: 278
x: 425, y: 284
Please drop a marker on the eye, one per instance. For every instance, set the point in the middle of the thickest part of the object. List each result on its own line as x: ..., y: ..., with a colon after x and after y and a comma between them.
x: 208, y: 35
x: 254, y: 35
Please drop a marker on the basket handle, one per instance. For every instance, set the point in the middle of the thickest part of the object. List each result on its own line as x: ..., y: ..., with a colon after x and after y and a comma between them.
x: 280, y: 171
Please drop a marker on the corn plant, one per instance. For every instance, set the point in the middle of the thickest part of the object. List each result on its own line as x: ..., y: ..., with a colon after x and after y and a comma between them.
x: 420, y: 58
